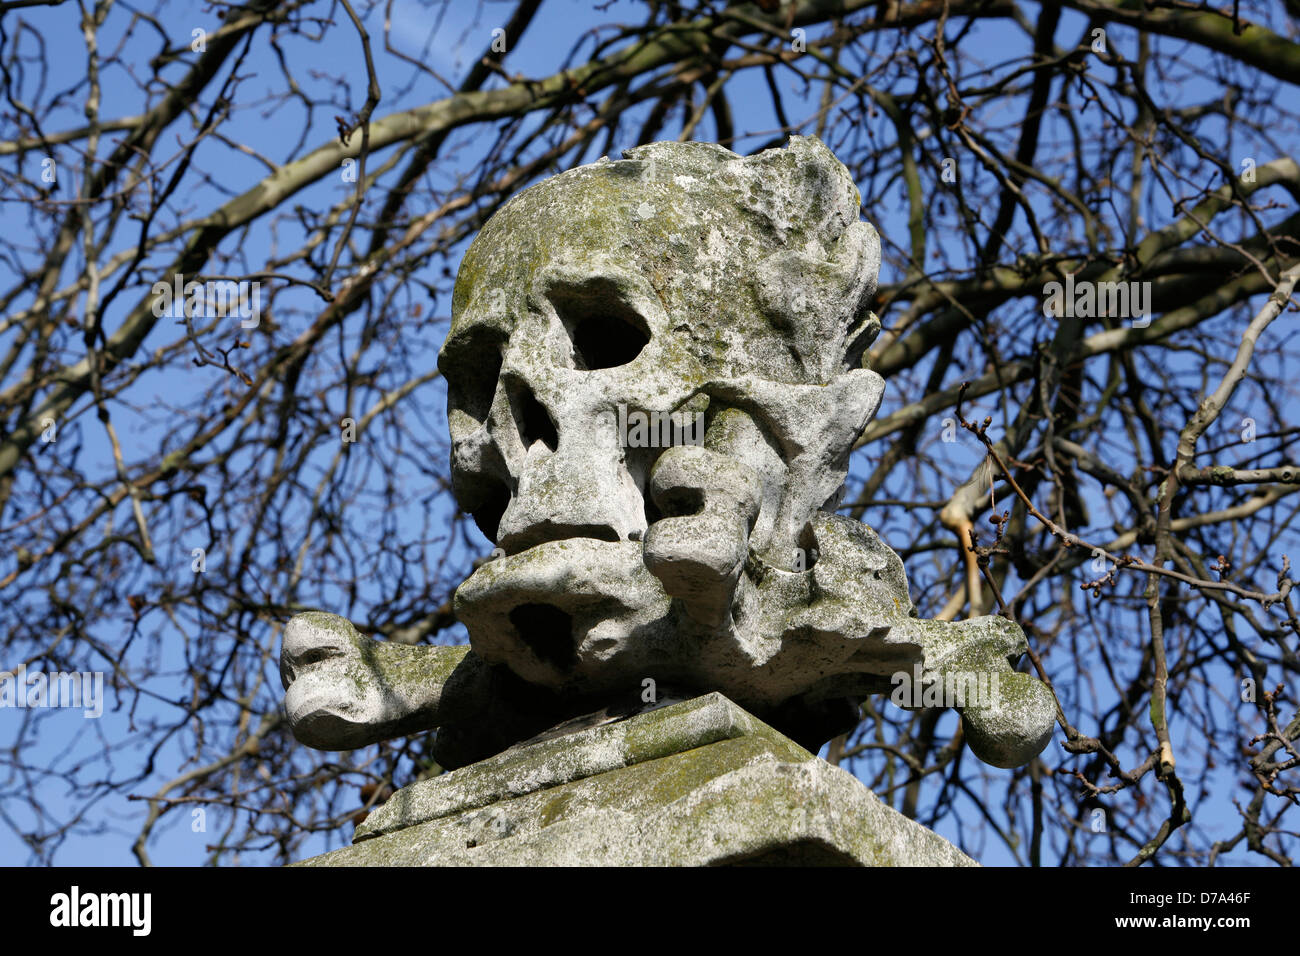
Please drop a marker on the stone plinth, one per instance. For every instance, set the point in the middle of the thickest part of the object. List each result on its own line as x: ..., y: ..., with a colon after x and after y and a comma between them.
x: 695, y: 783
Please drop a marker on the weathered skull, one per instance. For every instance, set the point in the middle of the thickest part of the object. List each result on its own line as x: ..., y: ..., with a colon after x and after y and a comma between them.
x: 685, y: 279
x: 635, y: 550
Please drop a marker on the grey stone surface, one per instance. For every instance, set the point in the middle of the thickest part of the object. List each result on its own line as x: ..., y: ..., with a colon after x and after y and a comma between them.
x: 686, y: 280
x: 527, y: 768
x: 693, y: 784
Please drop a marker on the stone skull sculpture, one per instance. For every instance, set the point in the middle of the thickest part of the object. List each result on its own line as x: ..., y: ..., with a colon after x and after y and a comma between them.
x: 655, y: 379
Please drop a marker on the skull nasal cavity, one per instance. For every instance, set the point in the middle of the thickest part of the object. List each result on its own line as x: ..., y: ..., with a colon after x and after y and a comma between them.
x: 533, y: 421
x: 492, y: 498
x: 547, y: 631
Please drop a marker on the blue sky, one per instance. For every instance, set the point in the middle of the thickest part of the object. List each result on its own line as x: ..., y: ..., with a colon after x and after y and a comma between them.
x: 448, y: 39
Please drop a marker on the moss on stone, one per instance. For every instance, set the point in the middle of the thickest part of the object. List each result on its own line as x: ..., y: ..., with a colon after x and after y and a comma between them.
x: 737, y: 800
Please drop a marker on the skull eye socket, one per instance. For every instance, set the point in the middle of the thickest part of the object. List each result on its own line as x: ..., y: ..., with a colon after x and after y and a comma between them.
x: 471, y: 365
x: 604, y: 329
